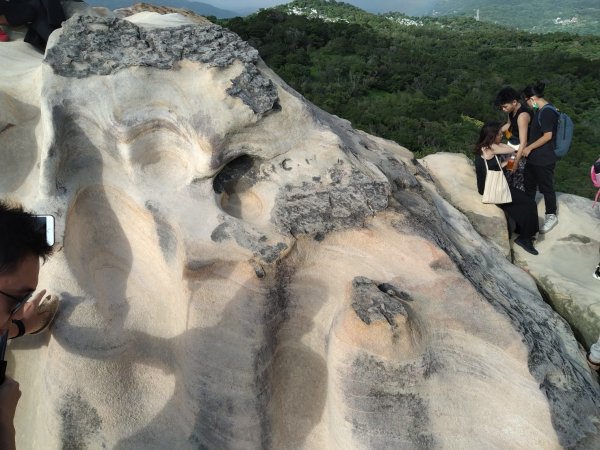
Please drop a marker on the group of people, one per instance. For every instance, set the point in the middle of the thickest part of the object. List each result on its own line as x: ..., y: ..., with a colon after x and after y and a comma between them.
x: 41, y: 17
x: 22, y: 309
x: 529, y: 129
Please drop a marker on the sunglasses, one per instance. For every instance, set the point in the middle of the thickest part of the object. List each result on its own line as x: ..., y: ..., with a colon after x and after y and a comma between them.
x: 19, y: 300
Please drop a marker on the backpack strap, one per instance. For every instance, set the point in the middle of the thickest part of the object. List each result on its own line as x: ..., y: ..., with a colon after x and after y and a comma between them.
x: 549, y: 105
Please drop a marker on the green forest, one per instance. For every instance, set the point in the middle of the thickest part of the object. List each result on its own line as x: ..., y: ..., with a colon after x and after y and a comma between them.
x: 574, y: 16
x: 429, y: 86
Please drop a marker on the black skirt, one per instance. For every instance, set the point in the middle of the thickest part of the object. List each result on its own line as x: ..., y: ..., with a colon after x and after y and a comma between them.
x: 523, y: 210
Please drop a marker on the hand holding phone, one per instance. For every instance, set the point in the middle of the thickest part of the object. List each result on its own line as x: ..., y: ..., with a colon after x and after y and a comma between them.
x: 46, y: 226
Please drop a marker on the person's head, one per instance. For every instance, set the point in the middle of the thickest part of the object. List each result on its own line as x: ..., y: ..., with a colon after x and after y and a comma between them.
x: 533, y: 93
x: 489, y: 134
x: 22, y: 244
x: 507, y: 99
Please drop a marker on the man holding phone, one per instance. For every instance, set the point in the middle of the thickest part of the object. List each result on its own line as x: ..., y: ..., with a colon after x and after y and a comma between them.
x: 23, y: 242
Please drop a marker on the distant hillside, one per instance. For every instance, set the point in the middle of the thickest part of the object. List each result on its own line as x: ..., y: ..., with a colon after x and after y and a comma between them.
x: 428, y: 83
x: 542, y: 16
x: 203, y: 9
x: 539, y: 16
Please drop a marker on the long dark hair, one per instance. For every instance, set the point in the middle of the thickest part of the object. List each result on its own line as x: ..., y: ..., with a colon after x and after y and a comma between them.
x: 536, y: 89
x: 487, y: 136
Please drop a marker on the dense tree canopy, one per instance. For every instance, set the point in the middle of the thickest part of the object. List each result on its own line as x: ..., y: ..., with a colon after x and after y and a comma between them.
x: 574, y: 16
x: 430, y: 86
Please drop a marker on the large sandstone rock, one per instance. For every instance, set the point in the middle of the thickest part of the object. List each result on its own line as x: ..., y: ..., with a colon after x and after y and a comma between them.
x: 454, y: 178
x: 568, y: 254
x: 239, y: 269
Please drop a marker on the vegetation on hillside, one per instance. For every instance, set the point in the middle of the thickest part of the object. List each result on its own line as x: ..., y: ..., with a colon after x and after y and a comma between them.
x: 429, y: 86
x: 574, y: 16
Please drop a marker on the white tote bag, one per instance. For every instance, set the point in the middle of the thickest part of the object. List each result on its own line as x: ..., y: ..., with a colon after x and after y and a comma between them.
x: 496, y: 187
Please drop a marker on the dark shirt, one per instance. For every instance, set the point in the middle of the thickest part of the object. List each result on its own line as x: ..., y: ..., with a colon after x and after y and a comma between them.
x: 544, y: 120
x: 514, y: 125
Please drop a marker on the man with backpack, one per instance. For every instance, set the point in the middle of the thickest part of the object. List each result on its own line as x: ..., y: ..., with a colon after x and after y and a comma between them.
x: 541, y: 158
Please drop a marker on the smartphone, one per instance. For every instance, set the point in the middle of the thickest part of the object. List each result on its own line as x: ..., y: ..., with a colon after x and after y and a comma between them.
x: 46, y: 226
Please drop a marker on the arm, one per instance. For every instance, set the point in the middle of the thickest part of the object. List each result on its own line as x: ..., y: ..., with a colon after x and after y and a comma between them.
x: 9, y: 396
x: 29, y: 315
x: 481, y: 173
x: 523, y: 122
x: 501, y: 149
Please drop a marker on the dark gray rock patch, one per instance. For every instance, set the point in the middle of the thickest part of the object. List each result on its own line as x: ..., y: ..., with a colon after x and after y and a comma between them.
x: 102, y: 46
x: 312, y: 207
x: 372, y: 304
x: 255, y: 90
x: 166, y: 235
x: 396, y: 171
x: 79, y: 421
x: 387, y: 413
x: 576, y: 238
x: 249, y: 239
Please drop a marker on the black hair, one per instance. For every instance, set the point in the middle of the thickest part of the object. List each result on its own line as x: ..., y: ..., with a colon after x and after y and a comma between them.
x: 533, y: 89
x: 487, y: 136
x: 506, y: 95
x: 20, y: 235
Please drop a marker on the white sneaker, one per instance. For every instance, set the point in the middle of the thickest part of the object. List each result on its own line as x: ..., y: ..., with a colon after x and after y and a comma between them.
x: 549, y: 222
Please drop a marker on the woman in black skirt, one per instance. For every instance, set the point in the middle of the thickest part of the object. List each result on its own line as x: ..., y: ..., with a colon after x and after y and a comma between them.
x: 522, y: 209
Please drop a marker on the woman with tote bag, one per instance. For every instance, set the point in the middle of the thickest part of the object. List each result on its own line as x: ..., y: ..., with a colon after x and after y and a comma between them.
x: 492, y: 185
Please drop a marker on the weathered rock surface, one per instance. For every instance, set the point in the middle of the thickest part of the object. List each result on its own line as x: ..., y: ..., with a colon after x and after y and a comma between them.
x: 453, y: 175
x: 239, y: 269
x: 568, y: 254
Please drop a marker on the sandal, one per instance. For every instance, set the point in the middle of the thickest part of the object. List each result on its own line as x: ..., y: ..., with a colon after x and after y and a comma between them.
x: 47, y: 307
